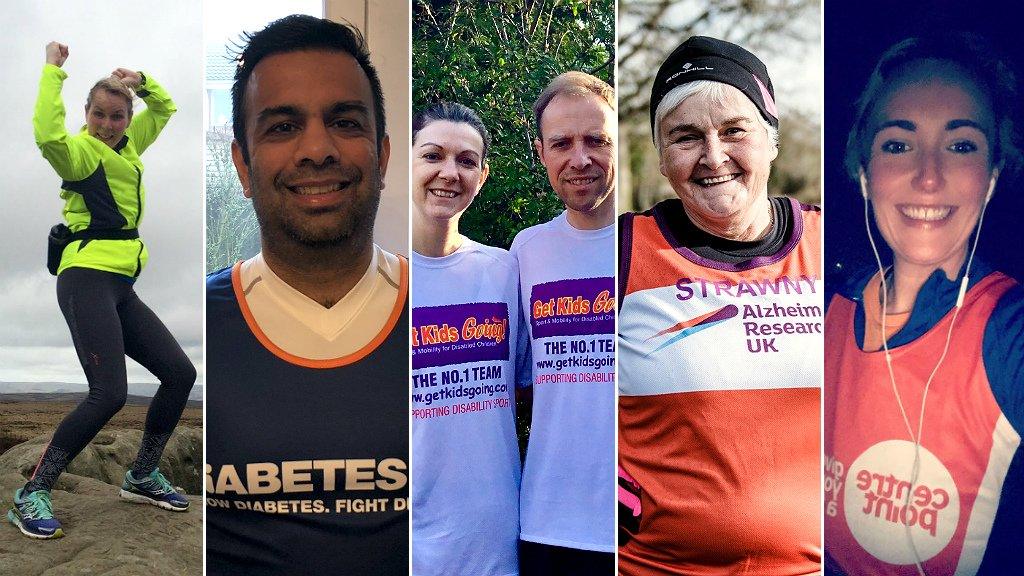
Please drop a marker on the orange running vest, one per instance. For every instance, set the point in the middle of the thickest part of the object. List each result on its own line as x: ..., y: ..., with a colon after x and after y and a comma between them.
x: 719, y: 410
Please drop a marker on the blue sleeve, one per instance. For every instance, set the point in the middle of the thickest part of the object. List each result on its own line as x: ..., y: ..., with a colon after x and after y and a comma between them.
x: 1003, y: 353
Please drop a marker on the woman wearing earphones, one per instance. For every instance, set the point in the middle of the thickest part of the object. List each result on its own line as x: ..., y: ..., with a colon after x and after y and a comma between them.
x: 465, y: 464
x: 924, y: 372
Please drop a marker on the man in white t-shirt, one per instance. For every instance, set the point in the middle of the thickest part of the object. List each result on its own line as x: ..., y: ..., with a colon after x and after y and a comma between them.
x: 567, y: 280
x: 307, y: 342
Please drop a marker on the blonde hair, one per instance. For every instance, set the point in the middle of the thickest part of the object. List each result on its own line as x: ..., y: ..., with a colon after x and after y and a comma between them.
x: 114, y: 86
x: 572, y: 84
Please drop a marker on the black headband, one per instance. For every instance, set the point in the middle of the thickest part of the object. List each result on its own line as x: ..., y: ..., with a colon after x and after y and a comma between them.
x: 704, y: 58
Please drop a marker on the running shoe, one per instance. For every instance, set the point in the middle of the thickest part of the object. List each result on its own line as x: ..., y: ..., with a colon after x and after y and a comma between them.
x: 33, y: 515
x: 153, y: 489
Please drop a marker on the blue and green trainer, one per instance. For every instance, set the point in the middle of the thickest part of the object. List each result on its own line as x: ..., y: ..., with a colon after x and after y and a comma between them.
x: 153, y: 489
x: 33, y: 515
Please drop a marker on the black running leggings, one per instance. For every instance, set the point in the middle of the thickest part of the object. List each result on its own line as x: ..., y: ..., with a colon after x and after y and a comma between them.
x: 108, y: 321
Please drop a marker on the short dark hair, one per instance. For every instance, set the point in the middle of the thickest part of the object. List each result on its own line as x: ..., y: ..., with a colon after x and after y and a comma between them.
x: 571, y: 84
x: 452, y: 112
x: 291, y: 34
x: 964, y: 52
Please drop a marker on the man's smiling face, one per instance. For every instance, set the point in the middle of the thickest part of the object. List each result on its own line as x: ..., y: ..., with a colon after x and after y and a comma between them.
x: 314, y: 171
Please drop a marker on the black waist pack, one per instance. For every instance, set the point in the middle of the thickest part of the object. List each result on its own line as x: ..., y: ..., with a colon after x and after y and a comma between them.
x: 61, y: 236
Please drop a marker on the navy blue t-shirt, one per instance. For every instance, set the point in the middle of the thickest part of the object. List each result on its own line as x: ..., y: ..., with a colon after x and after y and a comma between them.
x: 306, y: 467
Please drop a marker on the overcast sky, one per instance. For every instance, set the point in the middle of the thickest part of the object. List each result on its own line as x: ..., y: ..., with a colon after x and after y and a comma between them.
x: 225, y: 19
x: 163, y: 40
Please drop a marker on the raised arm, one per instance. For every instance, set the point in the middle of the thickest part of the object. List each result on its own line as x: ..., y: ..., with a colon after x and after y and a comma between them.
x: 146, y: 125
x: 68, y: 157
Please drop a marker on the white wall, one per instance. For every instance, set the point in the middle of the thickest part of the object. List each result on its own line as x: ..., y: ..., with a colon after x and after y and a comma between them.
x: 386, y: 26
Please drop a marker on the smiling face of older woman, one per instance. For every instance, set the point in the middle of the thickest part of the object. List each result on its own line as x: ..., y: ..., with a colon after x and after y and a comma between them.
x: 717, y: 154
x: 929, y: 170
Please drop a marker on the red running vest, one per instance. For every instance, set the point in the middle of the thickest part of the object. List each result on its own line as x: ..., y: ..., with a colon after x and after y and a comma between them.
x: 966, y: 446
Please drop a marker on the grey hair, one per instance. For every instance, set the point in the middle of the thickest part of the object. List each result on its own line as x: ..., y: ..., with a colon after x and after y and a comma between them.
x: 708, y: 89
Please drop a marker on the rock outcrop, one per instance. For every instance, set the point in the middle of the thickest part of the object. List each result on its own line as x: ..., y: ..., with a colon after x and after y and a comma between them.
x: 104, y: 534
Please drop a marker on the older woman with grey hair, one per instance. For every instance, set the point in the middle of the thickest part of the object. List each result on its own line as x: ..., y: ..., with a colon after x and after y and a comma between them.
x: 720, y: 341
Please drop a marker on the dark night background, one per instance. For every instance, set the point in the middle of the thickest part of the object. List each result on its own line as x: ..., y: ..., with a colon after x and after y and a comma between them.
x: 856, y: 35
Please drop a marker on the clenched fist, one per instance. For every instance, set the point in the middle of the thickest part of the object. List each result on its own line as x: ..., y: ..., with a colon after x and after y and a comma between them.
x: 56, y: 53
x: 131, y: 78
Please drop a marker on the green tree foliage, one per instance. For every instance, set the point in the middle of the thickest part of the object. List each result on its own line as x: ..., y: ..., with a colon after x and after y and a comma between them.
x: 496, y: 57
x: 231, y: 230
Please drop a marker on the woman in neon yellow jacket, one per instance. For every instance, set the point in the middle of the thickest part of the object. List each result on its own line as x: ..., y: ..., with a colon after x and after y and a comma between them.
x: 104, y: 198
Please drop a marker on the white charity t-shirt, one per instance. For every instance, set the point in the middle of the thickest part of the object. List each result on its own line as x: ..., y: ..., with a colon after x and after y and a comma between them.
x: 303, y: 327
x: 567, y: 285
x: 465, y: 455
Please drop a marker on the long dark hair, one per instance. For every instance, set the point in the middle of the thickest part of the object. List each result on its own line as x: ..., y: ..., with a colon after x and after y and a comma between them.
x: 452, y: 112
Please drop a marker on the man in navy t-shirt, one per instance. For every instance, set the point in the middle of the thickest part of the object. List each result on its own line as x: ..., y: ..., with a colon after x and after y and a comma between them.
x: 307, y: 349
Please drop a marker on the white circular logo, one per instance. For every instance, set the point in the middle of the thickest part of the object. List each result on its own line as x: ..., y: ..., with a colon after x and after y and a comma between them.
x: 881, y: 505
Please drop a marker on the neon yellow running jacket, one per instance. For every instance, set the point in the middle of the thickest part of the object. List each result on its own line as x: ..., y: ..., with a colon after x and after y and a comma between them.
x: 102, y: 186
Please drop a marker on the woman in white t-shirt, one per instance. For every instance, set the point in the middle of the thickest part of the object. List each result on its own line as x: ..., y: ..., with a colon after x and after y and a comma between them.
x: 465, y: 456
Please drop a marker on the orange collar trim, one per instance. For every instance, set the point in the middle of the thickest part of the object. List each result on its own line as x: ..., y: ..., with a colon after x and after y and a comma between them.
x: 403, y: 292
